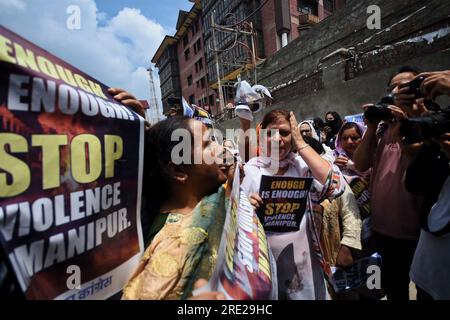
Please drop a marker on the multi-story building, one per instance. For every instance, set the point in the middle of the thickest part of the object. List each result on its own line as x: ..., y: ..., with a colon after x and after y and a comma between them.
x: 285, y: 20
x: 166, y: 60
x: 191, y: 57
x: 187, y: 61
x: 235, y: 51
x: 188, y: 70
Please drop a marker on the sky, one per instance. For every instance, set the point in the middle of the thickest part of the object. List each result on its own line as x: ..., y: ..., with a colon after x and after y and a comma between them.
x: 115, y: 41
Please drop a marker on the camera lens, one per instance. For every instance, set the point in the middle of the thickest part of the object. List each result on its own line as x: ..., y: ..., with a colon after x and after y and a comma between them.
x: 373, y: 114
x: 380, y: 110
x: 377, y: 113
x: 424, y: 128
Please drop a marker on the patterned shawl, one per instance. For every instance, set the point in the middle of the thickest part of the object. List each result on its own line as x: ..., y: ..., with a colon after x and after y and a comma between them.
x: 183, y: 251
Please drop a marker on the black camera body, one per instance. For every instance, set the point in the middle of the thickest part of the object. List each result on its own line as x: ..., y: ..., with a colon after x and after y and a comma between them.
x: 380, y: 111
x: 414, y: 87
x: 424, y: 128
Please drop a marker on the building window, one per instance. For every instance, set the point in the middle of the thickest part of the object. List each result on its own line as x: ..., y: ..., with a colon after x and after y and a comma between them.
x: 195, y: 28
x: 328, y: 5
x: 203, y: 82
x: 192, y: 99
x: 185, y: 40
x: 187, y: 55
x: 189, y: 80
x: 197, y: 46
x: 308, y: 7
x: 199, y: 65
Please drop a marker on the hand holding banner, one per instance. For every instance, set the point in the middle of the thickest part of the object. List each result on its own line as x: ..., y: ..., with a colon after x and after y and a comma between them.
x: 70, y: 176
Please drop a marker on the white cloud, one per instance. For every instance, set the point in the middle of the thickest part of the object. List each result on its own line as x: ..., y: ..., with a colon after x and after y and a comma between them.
x: 145, y: 35
x: 117, y: 53
x: 12, y: 4
x: 102, y: 16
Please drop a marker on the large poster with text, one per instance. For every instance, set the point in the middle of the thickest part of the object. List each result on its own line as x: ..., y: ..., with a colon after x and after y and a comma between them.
x: 284, y: 202
x: 245, y: 268
x: 70, y: 177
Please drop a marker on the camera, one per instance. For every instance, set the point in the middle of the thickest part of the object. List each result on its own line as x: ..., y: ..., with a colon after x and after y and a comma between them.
x: 414, y: 87
x: 379, y: 111
x: 424, y: 128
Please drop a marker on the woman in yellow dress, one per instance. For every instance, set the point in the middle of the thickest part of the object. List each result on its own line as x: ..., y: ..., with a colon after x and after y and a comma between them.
x: 191, y: 198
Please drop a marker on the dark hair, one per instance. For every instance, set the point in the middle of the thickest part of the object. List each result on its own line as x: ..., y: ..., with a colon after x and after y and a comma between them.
x: 158, y: 151
x: 318, y: 123
x: 404, y: 69
x: 334, y: 125
x: 273, y: 115
x: 335, y: 115
x: 316, y: 145
x: 351, y: 125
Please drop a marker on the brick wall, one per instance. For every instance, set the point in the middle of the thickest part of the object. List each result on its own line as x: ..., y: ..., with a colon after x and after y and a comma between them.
x: 187, y: 68
x: 293, y: 8
x: 269, y: 28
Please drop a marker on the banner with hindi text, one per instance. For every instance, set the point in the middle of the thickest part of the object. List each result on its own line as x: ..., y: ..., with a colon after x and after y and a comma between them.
x: 70, y: 177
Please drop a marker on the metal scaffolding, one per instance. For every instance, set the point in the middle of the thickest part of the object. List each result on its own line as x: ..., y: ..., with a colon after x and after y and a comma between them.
x: 244, y: 29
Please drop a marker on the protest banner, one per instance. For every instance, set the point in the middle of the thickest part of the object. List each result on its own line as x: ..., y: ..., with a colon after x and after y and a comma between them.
x: 355, y: 276
x: 359, y: 118
x: 360, y: 188
x: 70, y: 177
x: 284, y: 202
x: 245, y: 267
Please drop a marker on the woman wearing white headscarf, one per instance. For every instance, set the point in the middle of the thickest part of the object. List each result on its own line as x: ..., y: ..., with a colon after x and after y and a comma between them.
x: 307, y: 129
x: 297, y: 249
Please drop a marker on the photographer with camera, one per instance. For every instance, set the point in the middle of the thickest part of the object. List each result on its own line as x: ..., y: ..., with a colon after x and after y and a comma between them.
x: 428, y: 175
x: 395, y: 211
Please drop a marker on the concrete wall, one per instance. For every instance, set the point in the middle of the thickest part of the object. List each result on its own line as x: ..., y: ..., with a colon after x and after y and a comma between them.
x: 413, y: 32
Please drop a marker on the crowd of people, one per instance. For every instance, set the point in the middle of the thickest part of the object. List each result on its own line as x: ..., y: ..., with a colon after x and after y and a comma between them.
x: 372, y: 191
